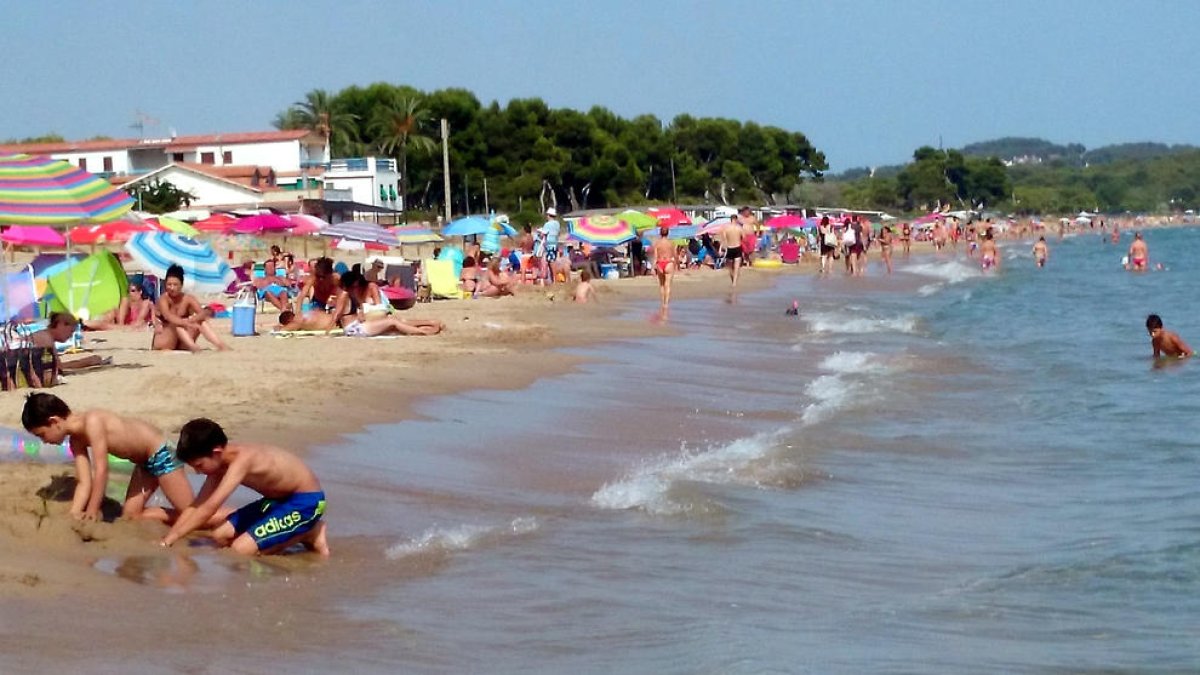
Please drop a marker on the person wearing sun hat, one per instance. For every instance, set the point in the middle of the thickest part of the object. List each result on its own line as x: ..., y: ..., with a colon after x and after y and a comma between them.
x: 548, y: 238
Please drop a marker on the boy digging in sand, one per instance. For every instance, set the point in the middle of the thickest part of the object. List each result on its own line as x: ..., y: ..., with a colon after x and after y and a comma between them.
x: 106, y: 433
x: 289, y: 513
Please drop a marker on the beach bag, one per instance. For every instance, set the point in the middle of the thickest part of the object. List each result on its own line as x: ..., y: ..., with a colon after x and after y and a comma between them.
x: 830, y: 238
x: 848, y: 237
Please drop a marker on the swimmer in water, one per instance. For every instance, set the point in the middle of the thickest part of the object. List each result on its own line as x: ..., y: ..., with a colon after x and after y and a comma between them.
x: 1165, y: 342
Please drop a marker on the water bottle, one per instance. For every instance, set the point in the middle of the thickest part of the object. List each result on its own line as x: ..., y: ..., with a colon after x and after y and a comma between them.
x: 77, y: 337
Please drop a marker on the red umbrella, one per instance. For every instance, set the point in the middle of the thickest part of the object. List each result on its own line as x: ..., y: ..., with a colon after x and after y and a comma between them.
x: 669, y: 216
x: 118, y: 230
x: 785, y: 221
x: 217, y: 222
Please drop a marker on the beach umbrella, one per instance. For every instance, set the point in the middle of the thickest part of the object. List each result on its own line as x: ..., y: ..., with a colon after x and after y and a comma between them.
x: 358, y: 230
x: 203, y: 269
x: 640, y: 221
x: 117, y: 231
x: 217, y: 222
x: 167, y: 224
x: 787, y: 221
x: 263, y: 223
x: 415, y: 234
x: 714, y: 226
x: 467, y: 226
x: 669, y: 216
x: 601, y: 230
x: 303, y: 224
x: 43, y: 191
x: 32, y: 235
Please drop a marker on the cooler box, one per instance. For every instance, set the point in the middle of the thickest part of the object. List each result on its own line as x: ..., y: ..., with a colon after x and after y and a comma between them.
x: 609, y: 271
x: 243, y: 313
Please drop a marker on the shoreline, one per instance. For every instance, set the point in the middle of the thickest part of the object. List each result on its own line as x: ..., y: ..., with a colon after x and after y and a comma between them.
x: 303, y: 393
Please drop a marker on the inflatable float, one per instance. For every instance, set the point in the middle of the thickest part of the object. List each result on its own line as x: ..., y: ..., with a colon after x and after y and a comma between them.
x: 767, y: 264
x: 20, y: 446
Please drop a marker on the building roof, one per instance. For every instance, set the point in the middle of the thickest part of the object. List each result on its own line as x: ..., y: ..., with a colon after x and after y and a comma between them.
x: 176, y: 143
x: 240, y: 173
x: 200, y: 169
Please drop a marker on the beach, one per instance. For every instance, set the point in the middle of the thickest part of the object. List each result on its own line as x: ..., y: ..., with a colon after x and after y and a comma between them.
x: 301, y: 392
x: 888, y: 481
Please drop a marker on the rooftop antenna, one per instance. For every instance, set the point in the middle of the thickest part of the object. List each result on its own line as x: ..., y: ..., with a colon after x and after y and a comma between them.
x: 141, y: 120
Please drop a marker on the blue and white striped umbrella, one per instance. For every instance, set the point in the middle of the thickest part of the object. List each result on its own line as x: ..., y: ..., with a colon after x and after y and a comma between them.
x: 358, y: 230
x: 203, y: 269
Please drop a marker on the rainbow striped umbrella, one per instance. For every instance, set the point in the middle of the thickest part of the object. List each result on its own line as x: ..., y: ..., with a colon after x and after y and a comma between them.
x: 601, y: 230
x: 358, y: 230
x: 44, y: 191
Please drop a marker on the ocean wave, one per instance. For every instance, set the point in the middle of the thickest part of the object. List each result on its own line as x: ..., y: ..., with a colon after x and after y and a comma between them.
x: 440, y: 541
x: 845, y: 385
x: 844, y: 322
x: 949, y: 271
x: 651, y: 487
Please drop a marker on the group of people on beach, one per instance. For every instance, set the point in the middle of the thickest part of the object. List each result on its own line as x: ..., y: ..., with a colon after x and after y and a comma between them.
x: 289, y: 513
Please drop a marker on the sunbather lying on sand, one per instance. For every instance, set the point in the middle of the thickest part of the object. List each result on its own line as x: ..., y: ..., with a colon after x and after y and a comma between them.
x: 356, y: 294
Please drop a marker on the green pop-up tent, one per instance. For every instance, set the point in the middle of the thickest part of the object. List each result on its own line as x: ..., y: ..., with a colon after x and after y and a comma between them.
x: 89, y: 288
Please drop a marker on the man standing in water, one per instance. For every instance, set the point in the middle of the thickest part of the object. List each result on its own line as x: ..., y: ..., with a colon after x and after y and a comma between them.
x: 988, y: 256
x: 1139, y: 254
x: 731, y: 241
x: 1041, y: 251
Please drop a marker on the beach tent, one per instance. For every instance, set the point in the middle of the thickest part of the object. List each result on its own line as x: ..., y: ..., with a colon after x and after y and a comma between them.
x: 89, y: 288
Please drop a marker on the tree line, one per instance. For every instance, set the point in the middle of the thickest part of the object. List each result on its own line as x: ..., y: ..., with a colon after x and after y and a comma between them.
x: 534, y: 156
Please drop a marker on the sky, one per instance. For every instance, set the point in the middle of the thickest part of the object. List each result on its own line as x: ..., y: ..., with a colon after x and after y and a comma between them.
x: 866, y: 81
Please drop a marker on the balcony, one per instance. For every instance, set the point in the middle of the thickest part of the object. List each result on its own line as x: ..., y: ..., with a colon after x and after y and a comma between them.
x: 362, y: 165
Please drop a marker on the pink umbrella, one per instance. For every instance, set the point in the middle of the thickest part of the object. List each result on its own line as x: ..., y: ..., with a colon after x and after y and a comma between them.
x: 32, y: 236
x: 785, y: 221
x: 669, y: 216
x: 261, y: 224
x: 302, y: 224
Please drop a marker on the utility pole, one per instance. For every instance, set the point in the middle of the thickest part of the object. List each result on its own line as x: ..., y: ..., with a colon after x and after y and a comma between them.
x: 446, y: 166
x: 674, y: 197
x: 486, y: 208
x: 466, y: 194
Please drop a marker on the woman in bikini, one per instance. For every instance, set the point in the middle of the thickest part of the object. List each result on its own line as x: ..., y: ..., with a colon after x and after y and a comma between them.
x: 663, y: 253
x: 135, y: 311
x: 181, y: 319
x: 906, y: 237
x: 351, y: 309
x: 885, y: 247
x: 496, y: 282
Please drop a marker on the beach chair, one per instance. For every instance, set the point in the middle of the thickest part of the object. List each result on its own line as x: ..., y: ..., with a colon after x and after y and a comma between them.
x: 443, y: 282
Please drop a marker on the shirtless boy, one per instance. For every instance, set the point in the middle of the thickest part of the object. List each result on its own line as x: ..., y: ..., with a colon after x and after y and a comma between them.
x: 584, y: 291
x: 1139, y: 254
x: 663, y: 252
x: 988, y: 257
x: 290, y: 511
x: 1041, y: 251
x: 731, y: 241
x: 106, y: 433
x: 1165, y: 342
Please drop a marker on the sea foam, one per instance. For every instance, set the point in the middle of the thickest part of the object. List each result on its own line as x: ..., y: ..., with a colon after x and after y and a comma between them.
x: 438, y: 540
x: 648, y: 487
x: 858, y: 323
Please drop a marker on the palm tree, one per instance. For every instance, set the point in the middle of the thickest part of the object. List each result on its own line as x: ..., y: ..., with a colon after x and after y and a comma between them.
x: 320, y: 113
x: 397, y: 127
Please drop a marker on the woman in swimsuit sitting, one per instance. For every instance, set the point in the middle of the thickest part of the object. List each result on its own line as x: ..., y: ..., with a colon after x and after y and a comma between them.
x: 496, y: 283
x: 181, y: 319
x: 351, y: 315
x: 135, y: 311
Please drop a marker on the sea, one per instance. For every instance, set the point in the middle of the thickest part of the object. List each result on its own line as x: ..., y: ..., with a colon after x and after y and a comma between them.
x: 941, y: 470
